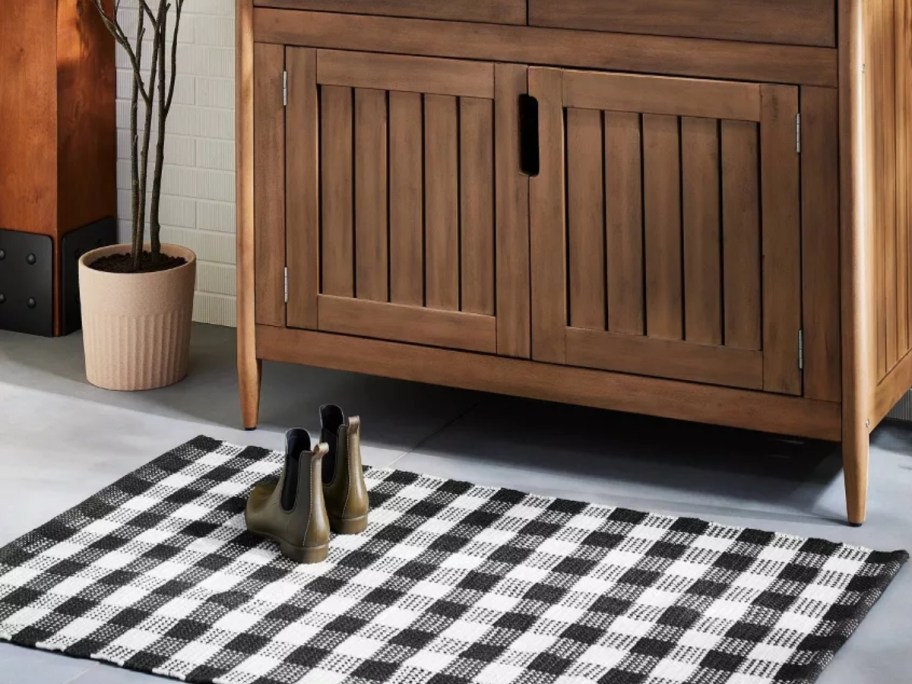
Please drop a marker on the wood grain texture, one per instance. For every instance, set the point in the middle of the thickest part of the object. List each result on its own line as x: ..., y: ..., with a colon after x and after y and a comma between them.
x: 476, y: 194
x: 269, y: 184
x: 338, y: 205
x: 855, y: 251
x: 248, y: 364
x: 28, y: 109
x: 512, y: 216
x: 624, y: 222
x: 406, y: 74
x: 302, y: 190
x: 548, y: 244
x: 820, y: 242
x: 781, y: 240
x: 903, y: 117
x: 809, y: 22
x: 601, y: 389
x: 665, y: 358
x: 585, y: 218
x: 441, y: 223
x: 741, y: 245
x: 662, y: 95
x: 86, y: 126
x: 544, y: 46
x: 662, y: 218
x: 701, y: 228
x: 452, y: 330
x: 371, y: 231
x: 406, y: 152
x: 495, y: 11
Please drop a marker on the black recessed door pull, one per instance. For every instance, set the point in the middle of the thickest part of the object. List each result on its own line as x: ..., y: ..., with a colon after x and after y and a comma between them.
x: 529, y: 162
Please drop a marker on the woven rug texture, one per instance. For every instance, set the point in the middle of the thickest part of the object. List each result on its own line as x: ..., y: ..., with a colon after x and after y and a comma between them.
x: 451, y: 583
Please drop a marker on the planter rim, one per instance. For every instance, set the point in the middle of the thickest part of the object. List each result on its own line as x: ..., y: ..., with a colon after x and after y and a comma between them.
x: 87, y: 259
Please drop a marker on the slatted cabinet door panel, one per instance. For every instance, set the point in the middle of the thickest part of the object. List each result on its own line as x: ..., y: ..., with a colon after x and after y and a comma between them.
x: 665, y: 229
x: 400, y: 189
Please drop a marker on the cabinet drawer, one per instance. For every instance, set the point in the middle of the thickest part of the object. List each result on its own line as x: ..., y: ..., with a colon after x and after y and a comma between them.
x: 489, y: 11
x: 808, y: 22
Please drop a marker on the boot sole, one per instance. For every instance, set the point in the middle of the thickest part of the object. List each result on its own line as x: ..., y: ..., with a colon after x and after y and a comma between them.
x: 348, y: 525
x: 299, y: 554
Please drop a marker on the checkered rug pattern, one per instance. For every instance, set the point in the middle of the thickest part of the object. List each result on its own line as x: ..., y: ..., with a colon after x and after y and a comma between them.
x: 451, y: 583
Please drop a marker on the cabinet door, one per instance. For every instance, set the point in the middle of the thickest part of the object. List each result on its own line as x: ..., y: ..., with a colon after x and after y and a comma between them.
x: 665, y: 228
x: 402, y: 182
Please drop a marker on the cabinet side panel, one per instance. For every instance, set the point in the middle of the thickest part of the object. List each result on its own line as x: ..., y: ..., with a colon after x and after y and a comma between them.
x: 28, y: 93
x: 86, y: 128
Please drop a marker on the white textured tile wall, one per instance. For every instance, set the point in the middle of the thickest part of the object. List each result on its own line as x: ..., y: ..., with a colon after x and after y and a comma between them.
x: 198, y: 184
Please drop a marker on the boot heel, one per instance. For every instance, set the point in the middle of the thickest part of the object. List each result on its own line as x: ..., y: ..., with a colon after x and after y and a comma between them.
x: 300, y: 554
x: 348, y: 525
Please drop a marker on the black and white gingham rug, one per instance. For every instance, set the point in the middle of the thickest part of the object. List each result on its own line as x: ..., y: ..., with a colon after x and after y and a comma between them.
x: 451, y: 583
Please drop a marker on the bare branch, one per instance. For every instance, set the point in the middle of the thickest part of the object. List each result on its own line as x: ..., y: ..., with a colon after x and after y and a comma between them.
x: 115, y: 30
x: 177, y: 18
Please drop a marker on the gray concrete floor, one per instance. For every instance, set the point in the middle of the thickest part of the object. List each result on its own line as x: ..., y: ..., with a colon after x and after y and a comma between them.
x: 61, y: 440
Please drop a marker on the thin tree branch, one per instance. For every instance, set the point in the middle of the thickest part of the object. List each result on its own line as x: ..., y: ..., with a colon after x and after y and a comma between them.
x: 138, y: 228
x: 115, y: 30
x: 177, y: 18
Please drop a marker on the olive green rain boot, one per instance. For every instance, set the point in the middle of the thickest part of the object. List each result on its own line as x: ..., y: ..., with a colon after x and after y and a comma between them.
x: 343, y: 477
x: 292, y: 512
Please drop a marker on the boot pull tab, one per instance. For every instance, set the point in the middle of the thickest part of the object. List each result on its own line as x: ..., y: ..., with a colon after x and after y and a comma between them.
x: 354, y: 427
x: 320, y: 450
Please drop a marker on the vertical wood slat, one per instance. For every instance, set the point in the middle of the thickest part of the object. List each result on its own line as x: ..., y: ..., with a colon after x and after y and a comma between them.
x: 820, y: 242
x: 302, y: 192
x: 441, y: 202
x: 371, y: 232
x: 547, y: 203
x: 337, y: 191
x: 585, y: 216
x: 741, y: 253
x: 662, y: 200
x: 406, y: 199
x: 702, y: 263
x: 269, y: 184
x: 624, y: 222
x: 903, y: 117
x: 512, y: 212
x: 781, y: 239
x: 887, y: 184
x: 476, y: 165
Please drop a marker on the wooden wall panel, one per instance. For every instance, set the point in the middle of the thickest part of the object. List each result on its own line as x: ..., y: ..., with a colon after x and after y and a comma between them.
x: 269, y: 184
x: 338, y: 276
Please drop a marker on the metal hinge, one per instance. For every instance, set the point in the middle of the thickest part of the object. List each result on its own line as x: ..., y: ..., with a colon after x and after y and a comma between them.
x: 801, y: 350
x: 285, y: 88
x: 798, y: 133
x: 286, y: 284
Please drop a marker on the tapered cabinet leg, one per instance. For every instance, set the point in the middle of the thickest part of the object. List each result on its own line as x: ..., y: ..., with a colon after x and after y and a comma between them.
x: 250, y: 373
x: 856, y: 448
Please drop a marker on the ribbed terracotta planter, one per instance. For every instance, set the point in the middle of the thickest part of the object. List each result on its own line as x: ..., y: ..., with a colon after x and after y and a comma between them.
x: 136, y: 326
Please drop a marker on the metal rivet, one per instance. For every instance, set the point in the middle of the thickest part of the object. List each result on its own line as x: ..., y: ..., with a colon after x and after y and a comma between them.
x: 2, y: 298
x: 31, y: 259
x: 31, y: 303
x: 2, y: 254
x: 868, y: 423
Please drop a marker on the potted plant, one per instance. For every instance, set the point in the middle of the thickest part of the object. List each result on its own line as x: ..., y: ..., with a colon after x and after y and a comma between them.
x: 137, y: 299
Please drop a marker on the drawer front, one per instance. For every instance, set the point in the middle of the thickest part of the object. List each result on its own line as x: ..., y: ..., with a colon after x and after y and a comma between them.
x: 489, y: 11
x: 808, y: 22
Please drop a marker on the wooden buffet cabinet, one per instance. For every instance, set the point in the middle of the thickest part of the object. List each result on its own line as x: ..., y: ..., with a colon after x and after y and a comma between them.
x: 696, y: 209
